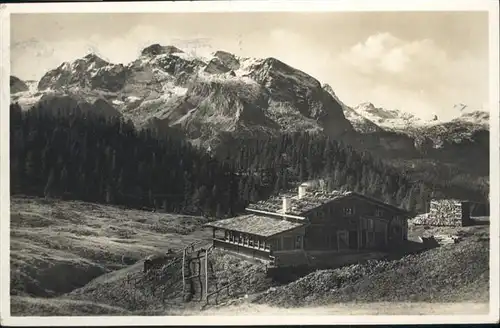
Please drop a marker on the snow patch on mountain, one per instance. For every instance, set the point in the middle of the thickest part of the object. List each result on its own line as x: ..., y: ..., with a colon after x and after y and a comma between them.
x: 133, y: 98
x: 247, y: 65
x: 360, y: 123
x: 389, y: 118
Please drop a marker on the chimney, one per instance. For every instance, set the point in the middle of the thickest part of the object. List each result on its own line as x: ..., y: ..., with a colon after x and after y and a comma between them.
x: 302, y: 190
x: 286, y: 205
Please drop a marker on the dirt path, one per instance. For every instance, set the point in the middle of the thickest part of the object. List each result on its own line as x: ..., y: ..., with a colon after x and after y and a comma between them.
x: 355, y: 309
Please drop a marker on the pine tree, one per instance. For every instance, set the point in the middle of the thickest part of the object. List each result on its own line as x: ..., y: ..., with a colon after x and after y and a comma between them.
x: 50, y: 186
x: 219, y: 213
x: 63, y: 181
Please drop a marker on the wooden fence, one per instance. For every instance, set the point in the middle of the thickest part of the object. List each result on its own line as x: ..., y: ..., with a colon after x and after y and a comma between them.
x: 158, y: 278
x: 245, y: 281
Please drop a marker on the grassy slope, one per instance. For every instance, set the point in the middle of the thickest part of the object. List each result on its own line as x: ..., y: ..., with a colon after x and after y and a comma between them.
x: 146, y: 295
x: 57, y: 246
x: 73, y: 252
x: 75, y: 249
x: 22, y: 305
x: 451, y: 273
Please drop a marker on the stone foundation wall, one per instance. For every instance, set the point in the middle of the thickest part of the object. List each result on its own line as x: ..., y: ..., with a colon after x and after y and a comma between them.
x: 446, y: 212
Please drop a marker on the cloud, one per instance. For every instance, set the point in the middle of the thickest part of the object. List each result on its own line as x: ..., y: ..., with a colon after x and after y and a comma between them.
x: 413, y: 75
x: 384, y: 55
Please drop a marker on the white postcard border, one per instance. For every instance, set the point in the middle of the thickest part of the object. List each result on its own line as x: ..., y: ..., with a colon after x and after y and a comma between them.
x: 246, y: 6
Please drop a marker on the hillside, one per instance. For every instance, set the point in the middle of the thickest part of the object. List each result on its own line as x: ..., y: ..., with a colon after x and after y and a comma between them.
x: 77, y: 242
x: 17, y: 85
x: 450, y: 273
x: 73, y: 257
x: 96, y: 253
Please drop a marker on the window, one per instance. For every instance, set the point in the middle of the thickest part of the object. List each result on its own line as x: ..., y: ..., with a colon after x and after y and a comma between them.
x: 379, y: 212
x: 348, y: 211
x: 370, y: 224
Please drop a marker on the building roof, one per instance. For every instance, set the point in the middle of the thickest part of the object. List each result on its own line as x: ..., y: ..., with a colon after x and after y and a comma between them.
x: 298, y: 206
x: 258, y: 225
x: 311, y: 200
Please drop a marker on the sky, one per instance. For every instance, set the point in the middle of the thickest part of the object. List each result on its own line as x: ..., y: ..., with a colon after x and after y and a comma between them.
x: 418, y: 62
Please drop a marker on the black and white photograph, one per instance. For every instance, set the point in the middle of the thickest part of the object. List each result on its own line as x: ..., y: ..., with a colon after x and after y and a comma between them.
x: 216, y: 160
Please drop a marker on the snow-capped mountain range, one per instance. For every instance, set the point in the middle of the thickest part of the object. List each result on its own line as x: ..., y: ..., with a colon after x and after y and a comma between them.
x: 208, y: 98
x: 163, y: 66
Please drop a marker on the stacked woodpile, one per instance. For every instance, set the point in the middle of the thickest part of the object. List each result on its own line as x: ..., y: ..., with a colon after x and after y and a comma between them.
x: 445, y: 212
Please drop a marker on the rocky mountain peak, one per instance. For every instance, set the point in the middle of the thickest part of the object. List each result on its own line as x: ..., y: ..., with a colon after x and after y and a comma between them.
x: 227, y: 59
x: 368, y: 106
x: 329, y: 89
x: 93, y: 57
x: 157, y: 49
x: 90, y: 61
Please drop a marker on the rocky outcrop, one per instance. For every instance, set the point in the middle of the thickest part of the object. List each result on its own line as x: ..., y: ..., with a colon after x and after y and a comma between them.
x: 110, y: 78
x: 228, y: 59
x: 175, y: 65
x: 212, y: 107
x: 90, y: 72
x: 17, y: 85
x: 215, y: 66
x: 157, y: 49
x: 359, y: 123
x: 301, y: 91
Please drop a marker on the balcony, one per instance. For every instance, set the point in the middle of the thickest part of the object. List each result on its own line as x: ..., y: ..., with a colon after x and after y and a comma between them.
x: 240, y: 248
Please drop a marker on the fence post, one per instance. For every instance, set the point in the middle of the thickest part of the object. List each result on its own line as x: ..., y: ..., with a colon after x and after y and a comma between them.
x: 135, y: 296
x: 183, y: 264
x: 206, y: 274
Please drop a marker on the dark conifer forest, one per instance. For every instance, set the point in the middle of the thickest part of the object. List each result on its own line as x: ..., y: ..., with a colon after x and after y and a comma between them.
x: 96, y: 159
